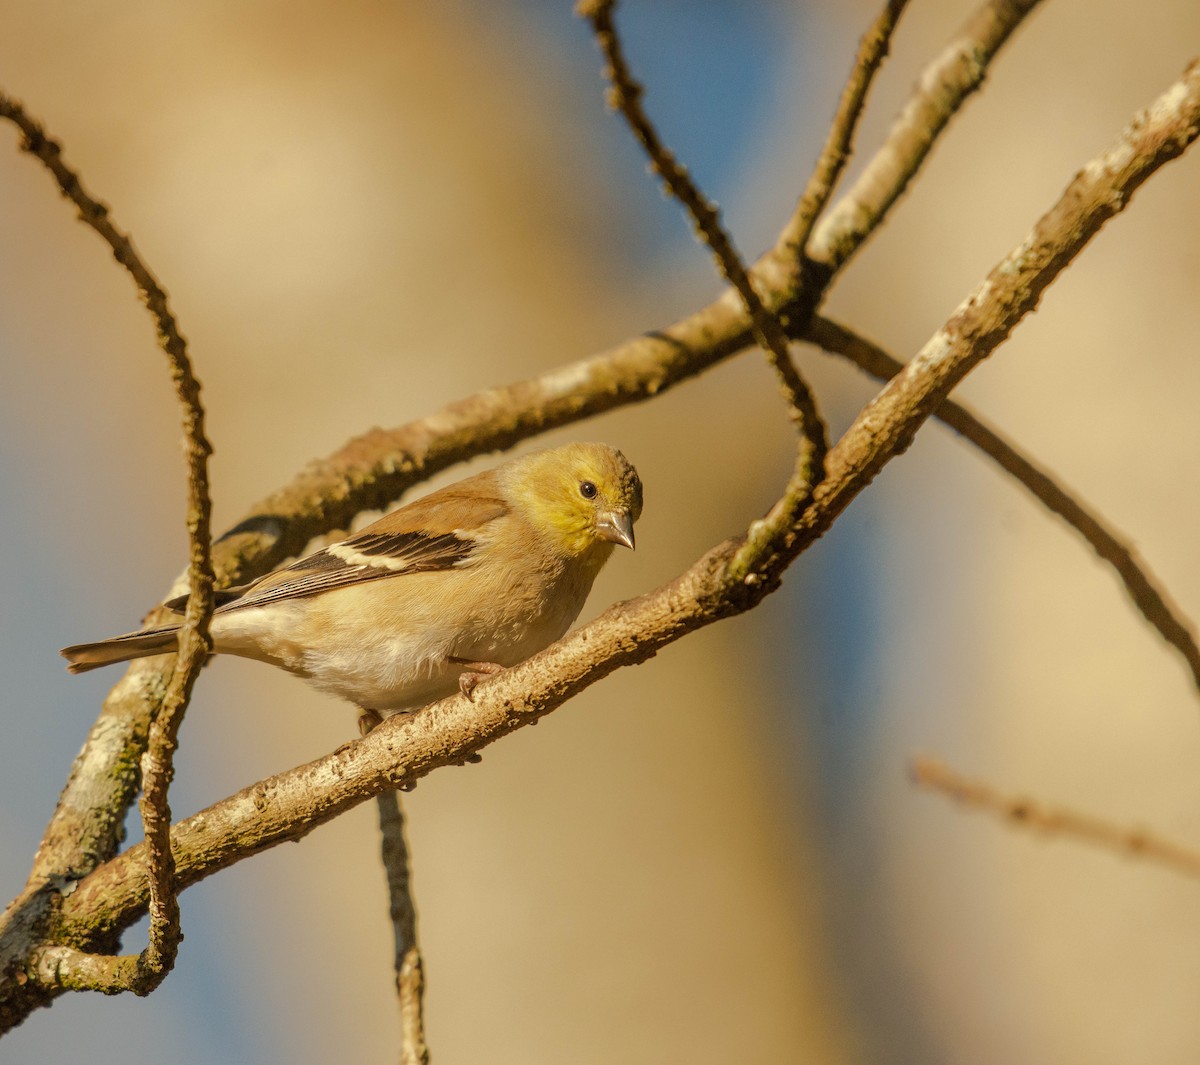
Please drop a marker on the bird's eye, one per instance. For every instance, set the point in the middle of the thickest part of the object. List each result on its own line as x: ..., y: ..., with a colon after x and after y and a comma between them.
x: 587, y: 490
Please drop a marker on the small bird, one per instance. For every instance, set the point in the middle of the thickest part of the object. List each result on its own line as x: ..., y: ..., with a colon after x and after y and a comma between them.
x: 448, y: 589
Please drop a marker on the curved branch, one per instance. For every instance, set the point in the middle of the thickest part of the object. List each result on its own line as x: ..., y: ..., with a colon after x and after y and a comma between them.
x: 1140, y: 583
x: 145, y: 971
x: 943, y: 88
x: 626, y: 96
x: 872, y: 50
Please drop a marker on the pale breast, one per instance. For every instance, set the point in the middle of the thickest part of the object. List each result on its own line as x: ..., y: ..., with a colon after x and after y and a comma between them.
x: 386, y: 645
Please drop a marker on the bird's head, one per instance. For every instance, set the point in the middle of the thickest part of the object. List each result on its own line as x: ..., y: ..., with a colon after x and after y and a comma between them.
x: 583, y: 496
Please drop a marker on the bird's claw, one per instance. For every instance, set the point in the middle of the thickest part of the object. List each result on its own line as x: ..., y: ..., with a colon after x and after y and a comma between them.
x: 367, y: 720
x: 467, y: 682
x: 473, y: 674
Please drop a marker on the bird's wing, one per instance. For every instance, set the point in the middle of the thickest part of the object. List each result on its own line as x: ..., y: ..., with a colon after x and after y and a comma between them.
x: 442, y: 531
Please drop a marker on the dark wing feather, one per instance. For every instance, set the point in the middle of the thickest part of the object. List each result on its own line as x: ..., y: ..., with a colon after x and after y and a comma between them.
x: 412, y: 551
x: 402, y: 542
x: 319, y: 572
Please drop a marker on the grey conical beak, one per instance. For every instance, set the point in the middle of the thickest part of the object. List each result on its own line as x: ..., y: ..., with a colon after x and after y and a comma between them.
x: 617, y: 527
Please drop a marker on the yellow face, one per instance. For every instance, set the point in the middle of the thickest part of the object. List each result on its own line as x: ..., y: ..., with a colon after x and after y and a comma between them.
x: 584, y: 495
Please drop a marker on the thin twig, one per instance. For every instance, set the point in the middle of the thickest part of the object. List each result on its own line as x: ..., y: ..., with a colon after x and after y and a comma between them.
x: 625, y: 96
x: 143, y: 972
x: 940, y: 92
x: 410, y: 968
x: 1055, y: 821
x: 408, y: 963
x: 1143, y: 588
x: 872, y: 50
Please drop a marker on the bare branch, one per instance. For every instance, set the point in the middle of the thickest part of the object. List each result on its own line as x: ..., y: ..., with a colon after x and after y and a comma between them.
x: 1143, y: 588
x: 872, y: 50
x: 941, y: 91
x: 76, y: 970
x: 1055, y: 821
x: 626, y: 96
x: 406, y: 747
x: 409, y: 966
x: 146, y: 971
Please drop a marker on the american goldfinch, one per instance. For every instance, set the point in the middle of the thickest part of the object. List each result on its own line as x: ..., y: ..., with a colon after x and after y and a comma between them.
x: 450, y: 588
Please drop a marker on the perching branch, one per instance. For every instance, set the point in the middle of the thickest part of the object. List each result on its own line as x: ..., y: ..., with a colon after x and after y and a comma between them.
x: 143, y: 972
x: 1055, y: 821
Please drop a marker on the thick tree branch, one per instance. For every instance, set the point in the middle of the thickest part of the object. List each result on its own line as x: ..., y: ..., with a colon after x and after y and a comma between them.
x: 405, y: 748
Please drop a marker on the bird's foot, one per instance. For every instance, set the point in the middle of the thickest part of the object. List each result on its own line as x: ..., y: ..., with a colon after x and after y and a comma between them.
x: 473, y: 673
x: 367, y: 720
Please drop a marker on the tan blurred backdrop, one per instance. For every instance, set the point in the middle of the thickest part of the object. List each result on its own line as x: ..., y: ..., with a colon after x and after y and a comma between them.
x: 365, y: 211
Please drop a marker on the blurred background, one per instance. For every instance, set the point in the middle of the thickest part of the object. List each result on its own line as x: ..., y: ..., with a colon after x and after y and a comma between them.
x: 363, y: 211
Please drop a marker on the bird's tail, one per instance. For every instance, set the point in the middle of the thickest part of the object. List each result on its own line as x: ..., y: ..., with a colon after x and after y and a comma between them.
x: 84, y: 656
